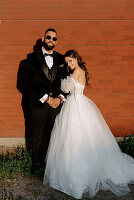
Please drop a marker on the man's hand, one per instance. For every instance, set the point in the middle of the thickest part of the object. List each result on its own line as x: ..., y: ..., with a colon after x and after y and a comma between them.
x: 55, y: 102
x: 49, y: 100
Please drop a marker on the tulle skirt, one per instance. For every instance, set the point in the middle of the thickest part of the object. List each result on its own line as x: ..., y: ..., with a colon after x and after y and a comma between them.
x: 83, y: 156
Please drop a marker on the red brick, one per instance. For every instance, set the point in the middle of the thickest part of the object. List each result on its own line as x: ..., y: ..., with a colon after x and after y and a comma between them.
x: 63, y: 9
x: 91, y: 32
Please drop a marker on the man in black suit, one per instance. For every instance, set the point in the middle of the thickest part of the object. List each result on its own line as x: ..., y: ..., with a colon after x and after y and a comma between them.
x: 43, y: 74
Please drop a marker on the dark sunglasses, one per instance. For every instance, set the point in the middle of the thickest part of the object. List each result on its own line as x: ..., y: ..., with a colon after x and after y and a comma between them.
x: 48, y: 37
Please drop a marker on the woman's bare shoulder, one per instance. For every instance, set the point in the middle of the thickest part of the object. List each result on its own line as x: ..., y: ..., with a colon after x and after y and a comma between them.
x: 78, y: 73
x: 81, y: 72
x: 78, y: 70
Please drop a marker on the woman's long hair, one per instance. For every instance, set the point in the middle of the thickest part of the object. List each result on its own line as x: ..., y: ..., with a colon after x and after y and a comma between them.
x: 73, y: 54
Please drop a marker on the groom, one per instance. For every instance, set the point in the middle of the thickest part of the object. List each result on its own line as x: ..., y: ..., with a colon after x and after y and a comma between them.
x: 44, y: 71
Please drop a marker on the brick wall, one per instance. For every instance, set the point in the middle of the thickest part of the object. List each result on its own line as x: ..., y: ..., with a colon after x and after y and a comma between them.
x: 102, y: 31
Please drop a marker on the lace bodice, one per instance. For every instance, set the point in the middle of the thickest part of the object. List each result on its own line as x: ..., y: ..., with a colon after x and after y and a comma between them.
x: 69, y: 84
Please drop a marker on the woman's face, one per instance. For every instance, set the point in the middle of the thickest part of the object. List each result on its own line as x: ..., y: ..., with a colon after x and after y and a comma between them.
x: 71, y: 62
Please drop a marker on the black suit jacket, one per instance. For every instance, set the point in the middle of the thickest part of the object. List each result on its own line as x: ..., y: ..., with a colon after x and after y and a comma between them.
x: 39, y: 80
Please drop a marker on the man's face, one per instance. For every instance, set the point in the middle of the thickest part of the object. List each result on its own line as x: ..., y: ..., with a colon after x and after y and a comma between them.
x: 49, y: 40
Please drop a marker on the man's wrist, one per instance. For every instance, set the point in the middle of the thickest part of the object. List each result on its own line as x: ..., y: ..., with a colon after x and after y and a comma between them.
x: 61, y: 99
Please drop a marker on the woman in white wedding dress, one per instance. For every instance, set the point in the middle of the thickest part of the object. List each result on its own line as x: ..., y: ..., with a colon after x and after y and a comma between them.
x: 83, y: 156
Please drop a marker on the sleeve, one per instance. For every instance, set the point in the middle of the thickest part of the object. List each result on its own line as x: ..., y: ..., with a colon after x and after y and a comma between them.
x: 67, y: 84
x: 44, y: 98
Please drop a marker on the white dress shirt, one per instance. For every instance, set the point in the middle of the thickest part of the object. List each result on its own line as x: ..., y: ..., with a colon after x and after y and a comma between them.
x: 49, y: 59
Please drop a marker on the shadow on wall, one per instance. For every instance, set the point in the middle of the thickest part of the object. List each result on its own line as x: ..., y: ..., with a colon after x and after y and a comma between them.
x: 25, y: 97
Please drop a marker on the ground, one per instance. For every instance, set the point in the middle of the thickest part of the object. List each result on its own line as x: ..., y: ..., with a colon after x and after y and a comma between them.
x: 23, y: 188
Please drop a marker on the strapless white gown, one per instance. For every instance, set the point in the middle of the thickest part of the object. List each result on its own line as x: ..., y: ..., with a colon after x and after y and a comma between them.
x: 83, y: 156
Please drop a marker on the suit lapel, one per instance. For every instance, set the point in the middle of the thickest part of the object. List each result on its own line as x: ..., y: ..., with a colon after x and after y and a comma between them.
x: 42, y: 62
x: 54, y: 67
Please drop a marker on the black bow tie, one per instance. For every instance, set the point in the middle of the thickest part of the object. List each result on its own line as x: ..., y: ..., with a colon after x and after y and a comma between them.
x: 48, y: 54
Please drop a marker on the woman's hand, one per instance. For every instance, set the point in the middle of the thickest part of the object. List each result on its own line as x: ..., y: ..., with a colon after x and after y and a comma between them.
x: 55, y: 102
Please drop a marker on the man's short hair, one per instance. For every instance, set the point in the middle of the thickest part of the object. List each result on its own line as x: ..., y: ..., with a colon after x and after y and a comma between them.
x: 50, y: 29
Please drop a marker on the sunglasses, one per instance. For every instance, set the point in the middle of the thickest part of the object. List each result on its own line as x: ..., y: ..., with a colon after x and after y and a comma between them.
x: 48, y: 37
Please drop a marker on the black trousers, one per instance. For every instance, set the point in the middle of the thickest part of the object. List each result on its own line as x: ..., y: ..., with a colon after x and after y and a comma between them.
x: 42, y: 121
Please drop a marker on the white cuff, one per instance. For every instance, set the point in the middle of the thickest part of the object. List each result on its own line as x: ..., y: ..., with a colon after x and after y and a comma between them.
x: 64, y: 99
x: 43, y: 99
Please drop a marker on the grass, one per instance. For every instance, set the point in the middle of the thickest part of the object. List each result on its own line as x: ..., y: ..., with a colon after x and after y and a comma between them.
x: 16, y: 162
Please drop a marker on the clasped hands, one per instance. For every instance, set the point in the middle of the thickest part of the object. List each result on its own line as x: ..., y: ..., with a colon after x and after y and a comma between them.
x: 53, y: 102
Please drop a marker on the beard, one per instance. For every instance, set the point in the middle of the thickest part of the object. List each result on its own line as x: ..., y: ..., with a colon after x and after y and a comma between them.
x: 47, y: 47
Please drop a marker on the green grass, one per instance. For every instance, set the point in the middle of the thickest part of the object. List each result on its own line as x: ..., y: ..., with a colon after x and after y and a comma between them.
x: 17, y: 162
x: 14, y: 163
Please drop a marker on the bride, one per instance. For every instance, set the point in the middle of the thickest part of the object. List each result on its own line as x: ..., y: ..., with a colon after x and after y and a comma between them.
x: 83, y: 156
